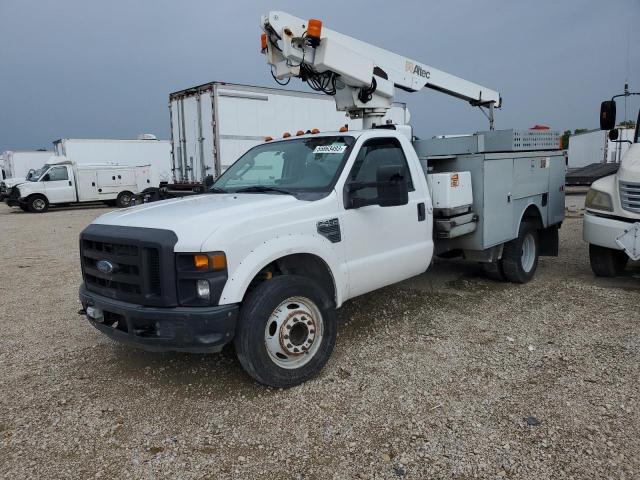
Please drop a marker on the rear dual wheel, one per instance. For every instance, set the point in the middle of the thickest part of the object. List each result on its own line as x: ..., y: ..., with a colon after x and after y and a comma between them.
x: 519, y: 258
x: 287, y: 331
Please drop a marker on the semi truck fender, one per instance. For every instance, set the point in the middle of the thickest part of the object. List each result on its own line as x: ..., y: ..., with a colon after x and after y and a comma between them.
x: 279, y: 247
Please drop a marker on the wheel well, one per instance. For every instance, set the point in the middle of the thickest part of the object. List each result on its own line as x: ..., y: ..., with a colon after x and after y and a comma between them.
x: 34, y: 195
x: 532, y: 215
x: 303, y: 264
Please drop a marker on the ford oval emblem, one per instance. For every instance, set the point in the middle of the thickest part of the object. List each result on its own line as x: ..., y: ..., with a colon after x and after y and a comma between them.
x: 105, y: 266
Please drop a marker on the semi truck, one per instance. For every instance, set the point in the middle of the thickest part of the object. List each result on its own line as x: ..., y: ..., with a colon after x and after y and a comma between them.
x: 299, y: 225
x: 612, y: 218
x: 213, y: 124
x: 63, y: 182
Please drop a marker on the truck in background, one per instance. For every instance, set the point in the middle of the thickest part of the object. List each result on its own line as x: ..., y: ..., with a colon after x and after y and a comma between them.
x: 17, y: 166
x: 612, y: 217
x: 63, y: 182
x: 213, y: 124
x: 594, y: 146
x: 145, y: 150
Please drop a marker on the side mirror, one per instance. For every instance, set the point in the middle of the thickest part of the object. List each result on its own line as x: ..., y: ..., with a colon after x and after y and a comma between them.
x: 46, y: 178
x: 608, y: 115
x: 392, y: 186
x: 614, y: 134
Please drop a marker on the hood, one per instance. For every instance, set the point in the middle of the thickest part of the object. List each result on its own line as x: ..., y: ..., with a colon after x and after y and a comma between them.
x: 629, y: 170
x: 196, y: 218
x: 12, y: 182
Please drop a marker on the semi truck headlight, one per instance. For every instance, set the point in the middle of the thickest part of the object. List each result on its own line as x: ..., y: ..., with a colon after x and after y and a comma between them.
x: 598, y: 200
x: 202, y: 289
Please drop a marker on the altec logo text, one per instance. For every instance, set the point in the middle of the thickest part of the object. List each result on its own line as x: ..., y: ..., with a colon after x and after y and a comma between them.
x: 417, y: 69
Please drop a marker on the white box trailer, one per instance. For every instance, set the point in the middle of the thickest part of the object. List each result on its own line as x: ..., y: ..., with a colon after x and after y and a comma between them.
x: 595, y: 147
x: 146, y: 150
x: 213, y: 124
x: 18, y: 164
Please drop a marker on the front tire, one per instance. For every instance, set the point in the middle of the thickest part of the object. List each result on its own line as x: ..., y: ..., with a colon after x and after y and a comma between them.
x: 520, y: 256
x: 606, y: 262
x: 37, y: 204
x: 286, y: 332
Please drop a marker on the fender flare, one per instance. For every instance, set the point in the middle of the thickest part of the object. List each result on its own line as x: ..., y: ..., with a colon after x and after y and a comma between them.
x: 278, y: 247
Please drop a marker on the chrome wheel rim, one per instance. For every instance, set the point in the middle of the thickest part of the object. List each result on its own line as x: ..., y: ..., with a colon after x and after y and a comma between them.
x: 528, y: 252
x: 293, y: 333
x: 38, y: 204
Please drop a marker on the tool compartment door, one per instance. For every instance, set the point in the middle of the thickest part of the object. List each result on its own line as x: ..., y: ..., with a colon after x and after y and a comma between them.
x: 498, y: 202
x: 115, y: 181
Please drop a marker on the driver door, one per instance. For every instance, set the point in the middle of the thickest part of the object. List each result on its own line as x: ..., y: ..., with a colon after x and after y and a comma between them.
x: 58, y: 185
x: 383, y: 245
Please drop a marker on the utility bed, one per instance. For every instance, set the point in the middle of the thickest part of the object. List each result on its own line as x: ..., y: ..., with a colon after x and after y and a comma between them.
x: 514, y: 173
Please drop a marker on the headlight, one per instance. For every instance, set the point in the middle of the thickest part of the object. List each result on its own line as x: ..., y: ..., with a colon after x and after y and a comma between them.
x: 201, y: 277
x: 598, y: 200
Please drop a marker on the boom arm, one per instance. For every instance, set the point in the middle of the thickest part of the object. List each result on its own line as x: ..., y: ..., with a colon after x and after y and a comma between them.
x: 361, y: 76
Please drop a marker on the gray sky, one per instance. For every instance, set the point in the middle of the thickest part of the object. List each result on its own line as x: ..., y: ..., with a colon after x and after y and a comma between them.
x: 104, y: 69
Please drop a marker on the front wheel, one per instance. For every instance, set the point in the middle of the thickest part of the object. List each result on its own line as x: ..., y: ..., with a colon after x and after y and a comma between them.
x: 286, y: 332
x: 37, y: 204
x: 520, y: 256
x: 606, y: 262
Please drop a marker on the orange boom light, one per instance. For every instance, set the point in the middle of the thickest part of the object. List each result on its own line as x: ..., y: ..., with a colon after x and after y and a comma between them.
x: 314, y: 29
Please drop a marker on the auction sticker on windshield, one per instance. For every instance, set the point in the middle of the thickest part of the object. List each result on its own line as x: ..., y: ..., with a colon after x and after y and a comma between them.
x: 330, y: 149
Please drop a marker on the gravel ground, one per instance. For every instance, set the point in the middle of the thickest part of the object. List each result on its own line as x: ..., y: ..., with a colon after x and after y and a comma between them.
x: 432, y: 378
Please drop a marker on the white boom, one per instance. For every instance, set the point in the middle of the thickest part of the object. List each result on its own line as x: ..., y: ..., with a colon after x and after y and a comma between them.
x: 362, y: 77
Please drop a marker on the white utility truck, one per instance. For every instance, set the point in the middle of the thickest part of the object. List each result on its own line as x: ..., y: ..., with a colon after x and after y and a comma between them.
x: 18, y: 166
x: 63, y: 182
x: 145, y: 150
x: 297, y: 226
x: 213, y: 124
x: 612, y: 218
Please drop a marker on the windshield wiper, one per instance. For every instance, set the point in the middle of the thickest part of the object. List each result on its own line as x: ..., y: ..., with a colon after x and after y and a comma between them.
x: 263, y: 189
x: 217, y: 190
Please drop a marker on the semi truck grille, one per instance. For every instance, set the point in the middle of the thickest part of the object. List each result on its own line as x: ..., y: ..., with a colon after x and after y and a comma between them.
x: 630, y: 196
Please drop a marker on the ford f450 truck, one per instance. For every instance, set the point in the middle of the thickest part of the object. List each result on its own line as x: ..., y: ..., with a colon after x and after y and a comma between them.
x: 612, y: 218
x: 296, y: 227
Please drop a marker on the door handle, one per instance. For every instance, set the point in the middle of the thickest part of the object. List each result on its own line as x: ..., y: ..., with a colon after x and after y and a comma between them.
x: 422, y: 215
x: 70, y: 184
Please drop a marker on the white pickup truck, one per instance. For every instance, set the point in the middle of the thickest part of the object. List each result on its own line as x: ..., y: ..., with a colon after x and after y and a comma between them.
x: 63, y: 182
x: 612, y: 218
x: 298, y: 226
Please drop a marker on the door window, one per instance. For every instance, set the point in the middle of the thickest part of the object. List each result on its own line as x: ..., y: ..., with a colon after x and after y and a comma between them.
x: 377, y: 153
x: 57, y: 173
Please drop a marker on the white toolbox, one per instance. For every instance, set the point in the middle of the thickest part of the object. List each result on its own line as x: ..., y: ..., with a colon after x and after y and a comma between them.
x: 451, y: 192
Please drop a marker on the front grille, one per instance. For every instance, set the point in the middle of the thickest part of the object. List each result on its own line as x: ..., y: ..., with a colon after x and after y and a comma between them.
x: 130, y: 264
x: 630, y: 196
x: 14, y: 194
x: 125, y: 280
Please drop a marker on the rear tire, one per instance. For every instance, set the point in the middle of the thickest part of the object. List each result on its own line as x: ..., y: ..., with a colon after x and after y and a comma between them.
x: 37, y: 204
x: 494, y: 271
x: 606, y: 262
x: 520, y: 256
x: 124, y: 199
x: 286, y: 331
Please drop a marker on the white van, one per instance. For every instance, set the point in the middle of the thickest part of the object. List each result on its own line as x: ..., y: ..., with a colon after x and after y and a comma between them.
x: 64, y: 183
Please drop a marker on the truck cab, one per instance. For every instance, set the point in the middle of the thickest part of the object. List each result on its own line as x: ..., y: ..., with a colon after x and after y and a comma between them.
x: 612, y: 218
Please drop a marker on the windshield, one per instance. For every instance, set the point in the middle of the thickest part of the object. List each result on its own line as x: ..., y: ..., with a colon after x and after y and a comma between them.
x: 290, y: 166
x: 35, y: 175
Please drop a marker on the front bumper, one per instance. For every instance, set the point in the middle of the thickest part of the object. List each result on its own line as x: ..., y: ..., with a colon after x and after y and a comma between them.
x: 603, y: 231
x: 179, y: 329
